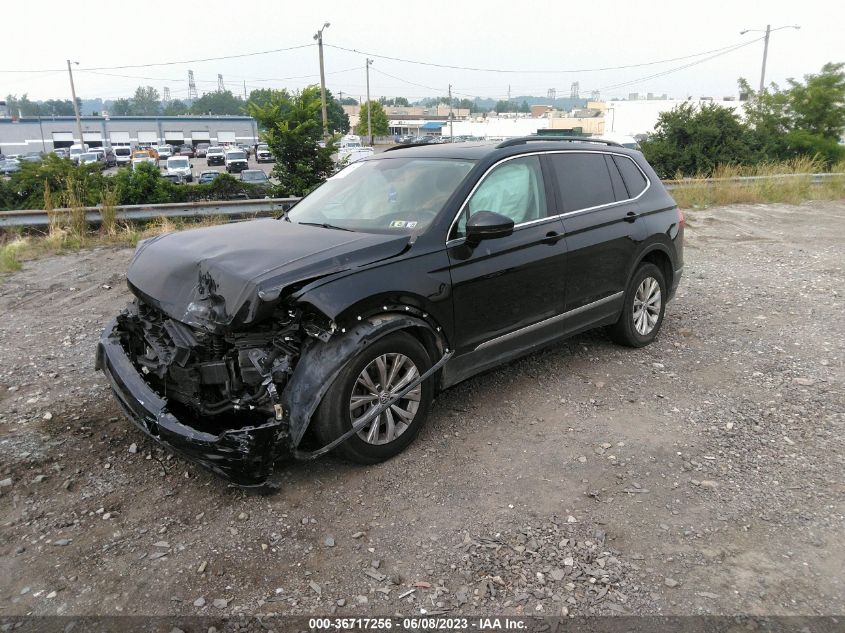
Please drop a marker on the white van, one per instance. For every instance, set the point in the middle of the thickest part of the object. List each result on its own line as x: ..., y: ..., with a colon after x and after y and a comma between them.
x: 179, y: 166
x: 122, y: 155
x: 76, y: 150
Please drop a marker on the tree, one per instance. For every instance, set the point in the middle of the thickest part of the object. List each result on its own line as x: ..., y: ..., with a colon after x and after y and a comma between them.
x: 292, y: 127
x: 379, y: 121
x: 503, y: 106
x: 348, y: 101
x: 467, y: 104
x: 146, y: 101
x: 57, y: 107
x: 338, y: 119
x: 121, y: 107
x: 806, y: 119
x: 175, y: 108
x: 21, y: 105
x: 218, y: 103
x: 524, y: 107
x: 692, y: 140
x: 396, y: 102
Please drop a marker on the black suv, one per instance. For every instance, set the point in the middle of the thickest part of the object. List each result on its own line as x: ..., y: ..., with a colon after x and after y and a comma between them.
x: 334, y: 326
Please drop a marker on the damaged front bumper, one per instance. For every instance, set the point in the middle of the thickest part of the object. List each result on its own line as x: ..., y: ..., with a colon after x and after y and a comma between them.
x: 245, y: 456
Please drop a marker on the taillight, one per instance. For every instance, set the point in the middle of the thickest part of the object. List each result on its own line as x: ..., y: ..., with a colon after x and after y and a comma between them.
x: 682, y: 221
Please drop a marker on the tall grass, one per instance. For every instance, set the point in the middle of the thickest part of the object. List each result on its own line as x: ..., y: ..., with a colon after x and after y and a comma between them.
x: 788, y: 182
x: 108, y: 212
x: 9, y: 254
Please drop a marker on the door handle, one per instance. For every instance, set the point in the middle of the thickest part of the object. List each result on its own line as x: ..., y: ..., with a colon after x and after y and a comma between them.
x: 631, y: 216
x: 552, y: 237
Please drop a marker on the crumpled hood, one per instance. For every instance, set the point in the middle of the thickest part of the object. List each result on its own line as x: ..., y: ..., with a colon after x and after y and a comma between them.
x: 211, y: 277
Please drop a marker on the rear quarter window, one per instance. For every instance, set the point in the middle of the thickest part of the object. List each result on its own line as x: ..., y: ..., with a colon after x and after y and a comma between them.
x: 635, y: 182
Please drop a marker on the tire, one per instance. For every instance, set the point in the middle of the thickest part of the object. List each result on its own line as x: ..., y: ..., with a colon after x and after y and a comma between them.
x: 633, y: 328
x: 333, y: 417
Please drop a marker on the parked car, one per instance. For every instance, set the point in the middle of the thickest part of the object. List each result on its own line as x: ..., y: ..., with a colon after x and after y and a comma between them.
x: 264, y: 155
x: 256, y: 178
x: 144, y: 156
x: 201, y: 150
x: 9, y: 166
x: 32, y: 157
x: 164, y: 152
x: 235, y: 161
x: 402, y: 275
x: 122, y: 155
x: 186, y: 150
x: 76, y: 150
x: 207, y: 176
x: 215, y: 155
x: 110, y: 158
x: 176, y: 179
x: 90, y: 158
x: 180, y: 166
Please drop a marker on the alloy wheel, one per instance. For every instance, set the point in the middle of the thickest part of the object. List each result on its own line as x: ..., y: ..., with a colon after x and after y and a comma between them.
x: 647, y: 302
x: 379, y: 381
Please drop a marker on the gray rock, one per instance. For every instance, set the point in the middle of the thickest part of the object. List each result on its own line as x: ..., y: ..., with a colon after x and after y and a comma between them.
x: 315, y: 587
x: 329, y: 541
x: 243, y: 516
x: 133, y: 448
x: 670, y: 582
x: 62, y: 542
x: 341, y: 602
x: 5, y: 483
x: 199, y: 602
x: 221, y: 603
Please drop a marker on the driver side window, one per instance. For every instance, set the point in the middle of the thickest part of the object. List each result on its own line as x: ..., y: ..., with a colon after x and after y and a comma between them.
x: 514, y: 188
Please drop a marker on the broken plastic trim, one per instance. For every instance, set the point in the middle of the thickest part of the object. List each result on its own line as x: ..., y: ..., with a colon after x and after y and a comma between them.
x: 374, y: 412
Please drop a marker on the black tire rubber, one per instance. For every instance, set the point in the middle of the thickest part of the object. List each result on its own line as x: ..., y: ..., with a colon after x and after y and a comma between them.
x: 332, y: 418
x: 623, y: 331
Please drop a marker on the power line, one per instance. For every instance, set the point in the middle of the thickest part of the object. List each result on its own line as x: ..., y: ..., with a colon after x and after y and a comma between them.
x: 501, y: 70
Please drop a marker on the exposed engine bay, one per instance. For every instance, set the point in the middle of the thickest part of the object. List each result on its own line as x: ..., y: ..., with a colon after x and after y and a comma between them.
x: 213, y: 374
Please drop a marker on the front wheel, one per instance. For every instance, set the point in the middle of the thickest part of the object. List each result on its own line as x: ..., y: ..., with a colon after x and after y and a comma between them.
x: 645, y: 305
x: 384, y: 368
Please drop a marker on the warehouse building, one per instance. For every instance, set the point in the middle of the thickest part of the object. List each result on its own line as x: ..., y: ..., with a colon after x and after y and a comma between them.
x: 41, y: 134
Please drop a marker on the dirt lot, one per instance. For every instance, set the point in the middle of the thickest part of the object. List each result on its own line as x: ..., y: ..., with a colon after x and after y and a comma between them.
x: 703, y: 474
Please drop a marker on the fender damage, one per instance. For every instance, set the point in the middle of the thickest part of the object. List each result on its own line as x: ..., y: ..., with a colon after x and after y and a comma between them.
x: 227, y: 369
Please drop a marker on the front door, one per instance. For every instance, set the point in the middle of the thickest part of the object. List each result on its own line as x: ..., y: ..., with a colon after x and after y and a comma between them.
x: 505, y: 285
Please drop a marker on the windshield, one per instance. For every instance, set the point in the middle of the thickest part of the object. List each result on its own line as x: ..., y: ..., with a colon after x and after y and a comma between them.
x: 122, y: 151
x: 236, y: 156
x: 396, y: 195
x: 253, y: 176
x: 215, y: 150
x: 177, y: 163
x: 86, y: 157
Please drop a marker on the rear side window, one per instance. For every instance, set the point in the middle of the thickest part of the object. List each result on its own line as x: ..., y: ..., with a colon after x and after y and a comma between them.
x: 635, y: 182
x: 583, y: 180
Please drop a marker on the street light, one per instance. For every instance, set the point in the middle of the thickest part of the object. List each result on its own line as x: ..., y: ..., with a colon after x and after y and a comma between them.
x: 768, y: 31
x: 319, y: 37
x: 75, y: 105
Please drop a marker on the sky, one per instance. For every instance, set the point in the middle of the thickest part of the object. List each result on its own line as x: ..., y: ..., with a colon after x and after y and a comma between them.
x: 538, y: 41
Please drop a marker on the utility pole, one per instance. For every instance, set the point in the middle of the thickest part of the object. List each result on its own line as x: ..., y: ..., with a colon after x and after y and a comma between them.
x: 319, y: 37
x: 451, y: 128
x: 769, y: 30
x: 75, y: 105
x: 246, y: 96
x: 369, y: 108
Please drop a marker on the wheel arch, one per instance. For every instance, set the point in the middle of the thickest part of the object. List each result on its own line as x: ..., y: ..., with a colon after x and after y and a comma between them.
x: 659, y: 255
x: 320, y: 362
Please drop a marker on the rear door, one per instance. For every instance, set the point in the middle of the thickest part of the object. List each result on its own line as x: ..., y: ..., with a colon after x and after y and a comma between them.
x: 603, y: 231
x: 501, y: 286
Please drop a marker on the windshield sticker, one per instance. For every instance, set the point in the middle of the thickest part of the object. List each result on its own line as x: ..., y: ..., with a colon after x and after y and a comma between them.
x: 398, y: 224
x: 410, y: 225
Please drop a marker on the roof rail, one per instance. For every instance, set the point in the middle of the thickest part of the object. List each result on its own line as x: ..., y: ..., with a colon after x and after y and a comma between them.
x: 403, y: 146
x: 552, y: 139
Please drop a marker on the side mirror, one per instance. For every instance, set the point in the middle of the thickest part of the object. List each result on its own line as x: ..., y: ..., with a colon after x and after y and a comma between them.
x: 487, y: 225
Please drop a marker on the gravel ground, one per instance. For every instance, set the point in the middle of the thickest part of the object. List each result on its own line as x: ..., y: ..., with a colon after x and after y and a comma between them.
x: 701, y: 475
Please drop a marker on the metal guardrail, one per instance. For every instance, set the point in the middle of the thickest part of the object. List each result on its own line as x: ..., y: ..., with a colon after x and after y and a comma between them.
x: 268, y: 206
x: 229, y: 208
x: 815, y: 179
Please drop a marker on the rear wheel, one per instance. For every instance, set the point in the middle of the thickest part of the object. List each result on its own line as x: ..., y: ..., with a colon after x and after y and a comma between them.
x: 642, y: 313
x: 368, y: 380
